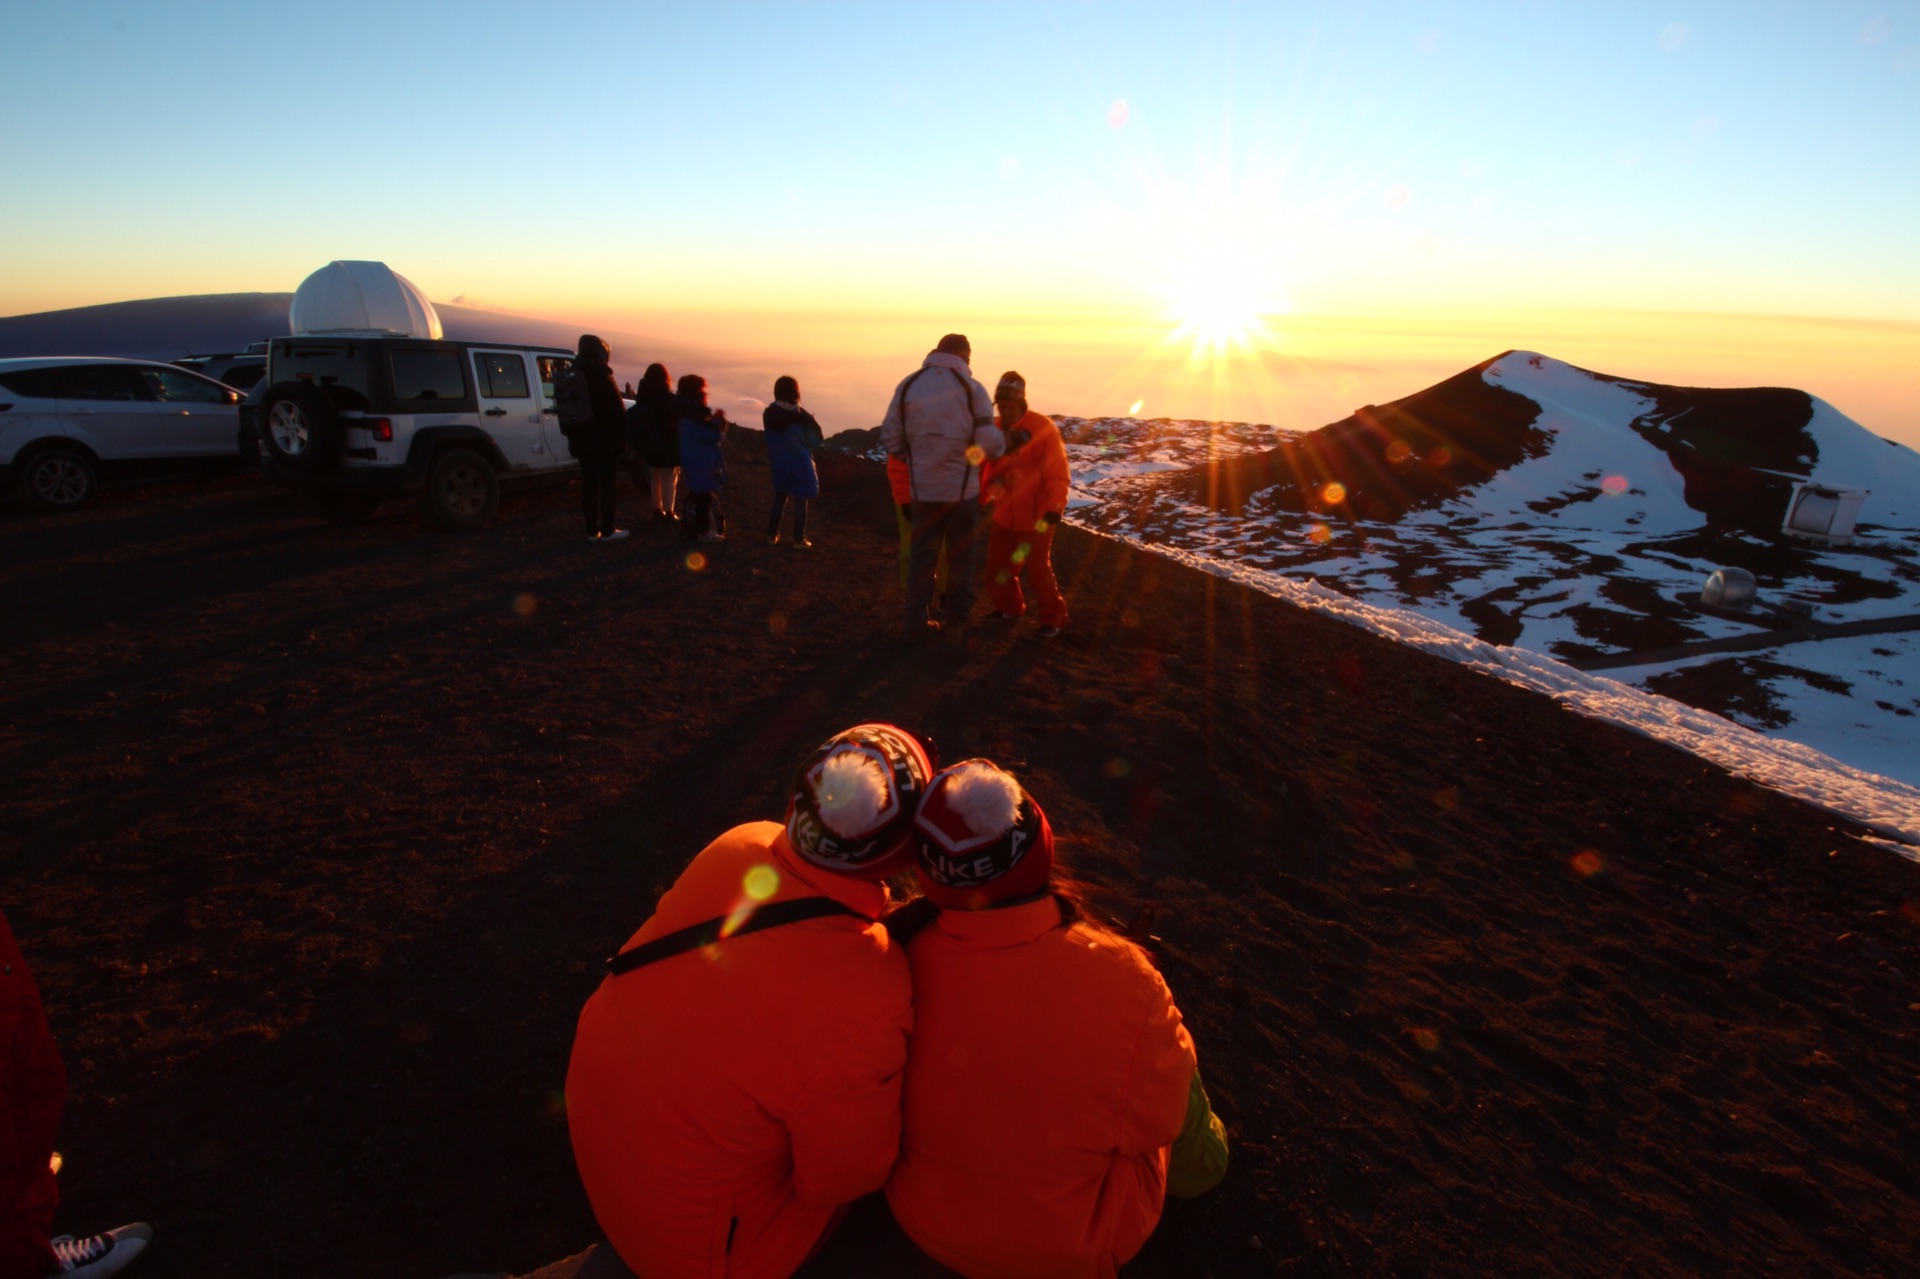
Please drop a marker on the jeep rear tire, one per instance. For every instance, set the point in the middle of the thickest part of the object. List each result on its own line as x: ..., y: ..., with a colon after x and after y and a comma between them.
x: 59, y: 479
x: 301, y: 427
x: 462, y: 490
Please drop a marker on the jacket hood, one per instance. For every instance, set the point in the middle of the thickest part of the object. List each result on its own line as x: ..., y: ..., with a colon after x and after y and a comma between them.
x: 941, y: 360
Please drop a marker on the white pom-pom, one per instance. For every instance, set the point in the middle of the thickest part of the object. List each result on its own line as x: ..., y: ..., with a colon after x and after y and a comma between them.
x: 985, y: 798
x: 851, y: 793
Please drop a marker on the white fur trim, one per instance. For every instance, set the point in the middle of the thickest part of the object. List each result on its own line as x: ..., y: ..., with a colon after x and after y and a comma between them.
x: 851, y: 793
x: 983, y: 797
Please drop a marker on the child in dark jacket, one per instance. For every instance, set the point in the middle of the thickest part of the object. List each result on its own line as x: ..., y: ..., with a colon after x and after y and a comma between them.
x: 703, y: 466
x: 790, y: 459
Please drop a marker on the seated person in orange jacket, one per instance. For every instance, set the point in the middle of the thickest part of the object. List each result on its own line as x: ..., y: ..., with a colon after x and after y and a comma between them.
x: 1027, y: 486
x: 728, y: 1099
x: 1052, y: 1096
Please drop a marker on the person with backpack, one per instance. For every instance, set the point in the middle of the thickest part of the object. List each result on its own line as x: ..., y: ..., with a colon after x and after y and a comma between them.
x: 1027, y: 486
x: 656, y: 432
x: 792, y: 435
x: 735, y: 1080
x: 940, y: 424
x: 587, y: 400
x: 1052, y: 1097
x: 703, y: 463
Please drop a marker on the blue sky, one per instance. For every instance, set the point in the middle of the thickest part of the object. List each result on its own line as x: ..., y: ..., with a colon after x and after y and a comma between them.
x: 1108, y: 161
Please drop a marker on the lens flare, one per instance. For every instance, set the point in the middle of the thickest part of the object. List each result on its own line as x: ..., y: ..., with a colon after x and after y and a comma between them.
x: 1118, y: 768
x: 1442, y: 456
x: 777, y: 623
x: 524, y: 604
x: 696, y: 562
x: 1118, y: 114
x: 1319, y: 534
x: 1614, y: 484
x: 1334, y: 493
x: 1587, y: 863
x: 975, y: 455
x: 761, y: 883
x: 1425, y: 1038
x: 1398, y: 452
x: 1133, y: 410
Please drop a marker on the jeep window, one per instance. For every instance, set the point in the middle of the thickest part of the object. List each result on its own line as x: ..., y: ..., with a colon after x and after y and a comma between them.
x: 341, y: 367
x: 41, y: 384
x: 427, y: 375
x: 179, y: 387
x: 550, y: 365
x: 97, y: 382
x: 502, y: 377
x: 245, y: 377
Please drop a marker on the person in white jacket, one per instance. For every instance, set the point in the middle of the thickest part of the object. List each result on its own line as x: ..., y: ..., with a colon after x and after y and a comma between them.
x: 940, y: 423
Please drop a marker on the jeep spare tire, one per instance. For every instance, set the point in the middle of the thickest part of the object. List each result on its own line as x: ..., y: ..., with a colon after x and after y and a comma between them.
x: 301, y: 427
x: 462, y: 490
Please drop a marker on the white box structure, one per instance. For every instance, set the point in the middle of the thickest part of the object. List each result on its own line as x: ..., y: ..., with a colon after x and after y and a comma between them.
x: 1823, y: 512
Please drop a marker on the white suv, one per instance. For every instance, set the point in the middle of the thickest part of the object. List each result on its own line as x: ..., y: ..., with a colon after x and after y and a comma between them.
x: 69, y: 423
x: 351, y: 420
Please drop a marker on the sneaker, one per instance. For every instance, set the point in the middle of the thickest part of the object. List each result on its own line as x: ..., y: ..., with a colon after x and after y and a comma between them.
x: 773, y: 539
x: 614, y: 536
x: 1049, y: 632
x: 801, y: 544
x: 98, y: 1256
x: 999, y: 615
x: 713, y: 537
x: 593, y: 537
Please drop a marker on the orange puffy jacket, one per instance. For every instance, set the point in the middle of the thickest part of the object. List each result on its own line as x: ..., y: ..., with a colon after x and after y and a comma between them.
x: 899, y: 481
x: 1027, y: 482
x: 1047, y: 1075
x: 723, y: 1102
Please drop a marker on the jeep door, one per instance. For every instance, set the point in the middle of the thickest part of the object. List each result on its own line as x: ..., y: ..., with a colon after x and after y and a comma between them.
x: 509, y: 409
x: 203, y: 417
x: 550, y: 367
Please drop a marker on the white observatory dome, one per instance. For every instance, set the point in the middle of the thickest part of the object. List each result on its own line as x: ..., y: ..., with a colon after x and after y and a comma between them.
x: 364, y: 298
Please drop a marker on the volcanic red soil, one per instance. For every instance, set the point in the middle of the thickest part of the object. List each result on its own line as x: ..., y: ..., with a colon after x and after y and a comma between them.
x: 316, y: 838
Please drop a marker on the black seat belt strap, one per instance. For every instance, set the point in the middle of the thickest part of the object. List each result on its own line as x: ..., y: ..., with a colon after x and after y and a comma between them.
x: 714, y: 930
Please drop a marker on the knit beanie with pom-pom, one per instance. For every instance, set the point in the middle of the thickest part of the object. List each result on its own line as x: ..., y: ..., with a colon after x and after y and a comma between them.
x: 851, y: 811
x: 982, y: 838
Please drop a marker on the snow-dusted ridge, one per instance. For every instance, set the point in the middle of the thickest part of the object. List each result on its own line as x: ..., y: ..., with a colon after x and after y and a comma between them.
x: 1587, y: 514
x: 1889, y: 807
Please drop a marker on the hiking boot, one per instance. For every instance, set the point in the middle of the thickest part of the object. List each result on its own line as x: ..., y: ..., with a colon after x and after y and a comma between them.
x: 773, y: 539
x: 98, y: 1256
x: 1000, y: 615
x: 801, y: 544
x: 614, y: 536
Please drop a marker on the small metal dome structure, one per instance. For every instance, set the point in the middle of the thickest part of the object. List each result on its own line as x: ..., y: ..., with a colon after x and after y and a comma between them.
x: 1823, y: 512
x: 1728, y: 588
x: 365, y: 299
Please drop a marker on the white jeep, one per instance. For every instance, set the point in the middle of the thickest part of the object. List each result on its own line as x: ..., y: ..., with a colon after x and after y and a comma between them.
x: 366, y: 401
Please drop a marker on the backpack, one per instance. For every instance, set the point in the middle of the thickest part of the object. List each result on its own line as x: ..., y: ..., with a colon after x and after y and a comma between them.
x: 571, y: 402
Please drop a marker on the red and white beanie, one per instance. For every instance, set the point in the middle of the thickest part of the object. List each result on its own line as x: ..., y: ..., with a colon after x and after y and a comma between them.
x: 983, y: 839
x: 853, y: 801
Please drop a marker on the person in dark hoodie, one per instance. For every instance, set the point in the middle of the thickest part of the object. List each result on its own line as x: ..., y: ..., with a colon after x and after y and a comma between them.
x: 598, y: 446
x: 657, y: 437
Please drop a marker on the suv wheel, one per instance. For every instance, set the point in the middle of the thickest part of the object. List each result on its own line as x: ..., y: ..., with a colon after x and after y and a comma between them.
x: 301, y: 427
x: 462, y: 490
x: 59, y: 479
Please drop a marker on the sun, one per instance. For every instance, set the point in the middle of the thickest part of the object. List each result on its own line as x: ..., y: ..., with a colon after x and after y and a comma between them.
x: 1219, y: 303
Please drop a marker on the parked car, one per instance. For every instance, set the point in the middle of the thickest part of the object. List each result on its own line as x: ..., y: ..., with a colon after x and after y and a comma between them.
x: 240, y: 370
x: 69, y: 424
x: 351, y: 420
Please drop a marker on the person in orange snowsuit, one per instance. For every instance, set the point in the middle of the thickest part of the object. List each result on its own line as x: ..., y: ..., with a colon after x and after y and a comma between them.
x: 1027, y: 486
x: 735, y: 1080
x: 1052, y: 1097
